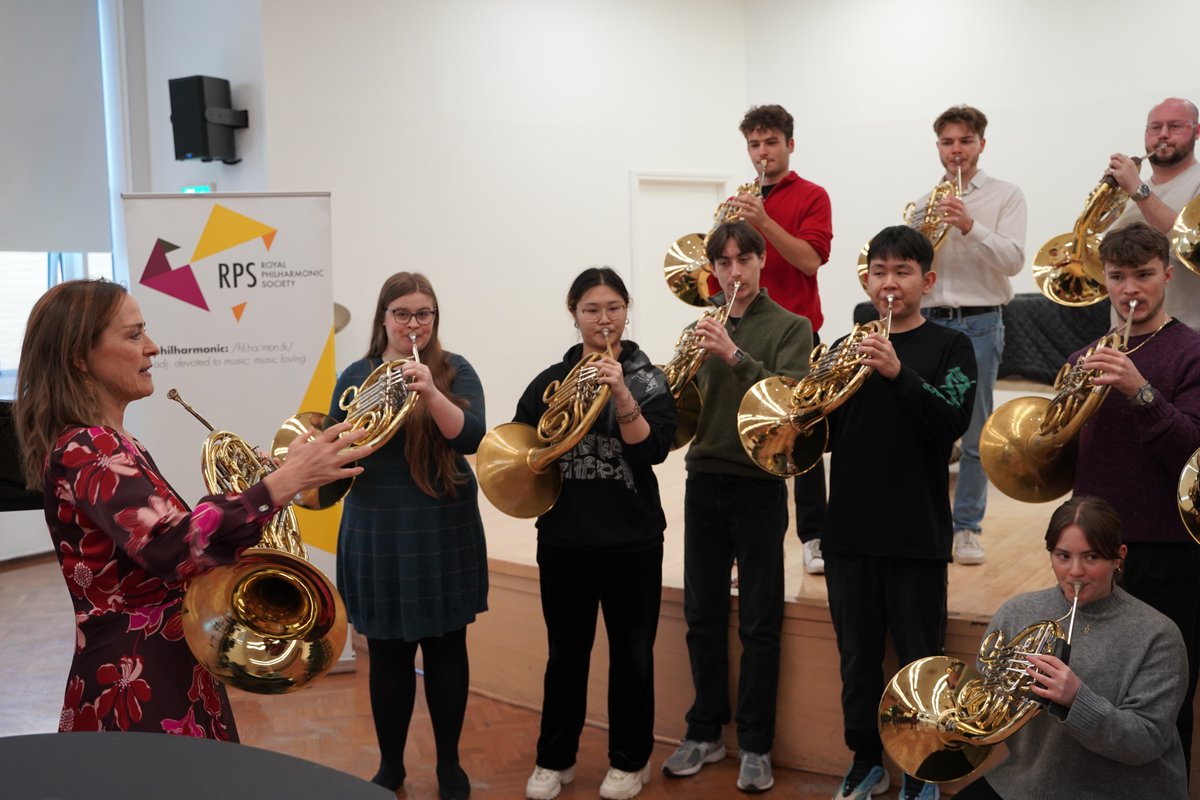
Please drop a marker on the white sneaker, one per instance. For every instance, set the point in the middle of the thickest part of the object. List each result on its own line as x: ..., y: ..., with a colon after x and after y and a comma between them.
x: 967, y: 549
x: 545, y: 784
x: 814, y: 562
x: 621, y: 785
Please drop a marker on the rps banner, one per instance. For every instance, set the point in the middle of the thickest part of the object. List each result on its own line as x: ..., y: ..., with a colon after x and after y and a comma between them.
x: 237, y: 293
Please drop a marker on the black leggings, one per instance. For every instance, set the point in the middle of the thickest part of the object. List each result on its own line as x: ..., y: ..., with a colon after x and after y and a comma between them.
x: 393, y: 687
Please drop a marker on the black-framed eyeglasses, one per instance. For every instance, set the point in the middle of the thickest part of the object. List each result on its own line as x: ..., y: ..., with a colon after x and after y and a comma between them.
x: 403, y: 315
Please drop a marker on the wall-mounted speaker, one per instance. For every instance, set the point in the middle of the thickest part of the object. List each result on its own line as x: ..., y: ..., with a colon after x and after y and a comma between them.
x: 202, y: 119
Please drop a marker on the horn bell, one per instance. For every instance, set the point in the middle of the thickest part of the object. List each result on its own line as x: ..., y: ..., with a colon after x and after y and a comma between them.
x: 1018, y: 460
x: 771, y: 433
x: 270, y: 624
x: 506, y: 476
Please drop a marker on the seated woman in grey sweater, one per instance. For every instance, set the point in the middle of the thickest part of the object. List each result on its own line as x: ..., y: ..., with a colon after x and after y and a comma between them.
x: 1121, y: 691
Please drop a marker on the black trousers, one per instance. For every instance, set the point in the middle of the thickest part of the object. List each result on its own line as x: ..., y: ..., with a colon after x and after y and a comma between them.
x: 627, y: 589
x: 809, y: 494
x: 728, y: 518
x: 870, y: 597
x: 1167, y: 577
x: 982, y: 790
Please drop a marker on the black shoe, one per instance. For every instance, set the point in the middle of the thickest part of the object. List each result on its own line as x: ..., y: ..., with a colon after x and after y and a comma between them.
x: 453, y: 784
x: 389, y: 778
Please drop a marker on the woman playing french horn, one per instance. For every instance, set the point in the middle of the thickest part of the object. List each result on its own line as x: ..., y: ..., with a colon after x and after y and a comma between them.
x: 412, y: 563
x: 601, y: 543
x: 126, y: 542
x: 1113, y: 731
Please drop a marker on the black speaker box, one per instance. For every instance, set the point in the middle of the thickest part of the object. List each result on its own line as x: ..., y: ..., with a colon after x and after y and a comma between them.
x: 202, y: 119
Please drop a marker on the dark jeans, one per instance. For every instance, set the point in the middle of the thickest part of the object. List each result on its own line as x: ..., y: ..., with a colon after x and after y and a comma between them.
x: 1164, y: 576
x: 870, y: 597
x: 728, y: 518
x: 627, y: 588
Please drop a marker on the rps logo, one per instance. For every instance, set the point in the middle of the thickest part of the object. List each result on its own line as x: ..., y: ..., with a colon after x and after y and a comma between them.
x: 224, y: 229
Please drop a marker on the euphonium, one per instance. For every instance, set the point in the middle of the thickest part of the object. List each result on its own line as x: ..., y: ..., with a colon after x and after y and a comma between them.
x: 272, y: 622
x: 782, y: 422
x: 686, y: 266
x: 1028, y: 445
x: 681, y: 371
x: 516, y: 463
x: 931, y: 223
x: 940, y: 717
x: 1067, y: 268
x: 380, y: 405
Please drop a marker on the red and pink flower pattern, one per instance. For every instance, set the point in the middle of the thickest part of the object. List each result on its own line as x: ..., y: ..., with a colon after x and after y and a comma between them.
x: 127, y: 545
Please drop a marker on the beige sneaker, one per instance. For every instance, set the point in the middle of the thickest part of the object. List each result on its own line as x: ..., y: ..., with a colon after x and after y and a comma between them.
x: 621, y: 785
x: 967, y: 549
x: 545, y: 784
x: 814, y: 562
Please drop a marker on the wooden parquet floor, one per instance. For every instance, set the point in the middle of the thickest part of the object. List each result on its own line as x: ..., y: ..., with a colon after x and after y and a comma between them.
x: 329, y: 723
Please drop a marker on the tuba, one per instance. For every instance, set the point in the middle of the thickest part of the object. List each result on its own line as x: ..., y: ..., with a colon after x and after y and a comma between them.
x: 271, y: 623
x: 686, y: 266
x: 516, y: 463
x: 380, y: 405
x: 939, y: 717
x: 681, y: 371
x: 1028, y: 445
x: 931, y: 224
x: 1067, y: 268
x: 782, y: 422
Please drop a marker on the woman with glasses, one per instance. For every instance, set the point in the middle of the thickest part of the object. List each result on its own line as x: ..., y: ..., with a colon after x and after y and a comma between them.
x: 412, y: 565
x: 601, y: 546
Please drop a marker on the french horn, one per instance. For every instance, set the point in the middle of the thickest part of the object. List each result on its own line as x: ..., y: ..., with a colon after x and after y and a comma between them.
x: 1067, y: 268
x: 516, y: 462
x: 939, y: 717
x: 379, y: 405
x: 272, y: 622
x: 681, y: 372
x: 1028, y: 445
x: 686, y: 267
x: 930, y: 222
x: 1185, y: 235
x: 782, y: 422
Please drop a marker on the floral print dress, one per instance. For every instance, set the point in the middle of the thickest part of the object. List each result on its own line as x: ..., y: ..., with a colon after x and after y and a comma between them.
x: 128, y: 545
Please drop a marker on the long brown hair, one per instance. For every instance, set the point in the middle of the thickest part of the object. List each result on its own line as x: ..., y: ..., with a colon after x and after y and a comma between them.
x: 52, y: 391
x: 431, y: 461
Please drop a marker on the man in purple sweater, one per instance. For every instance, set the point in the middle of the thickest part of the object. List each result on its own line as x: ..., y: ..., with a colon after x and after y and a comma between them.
x: 1132, y: 451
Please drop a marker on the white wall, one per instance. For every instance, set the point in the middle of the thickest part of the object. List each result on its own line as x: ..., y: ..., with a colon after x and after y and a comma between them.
x: 1064, y: 85
x: 490, y: 146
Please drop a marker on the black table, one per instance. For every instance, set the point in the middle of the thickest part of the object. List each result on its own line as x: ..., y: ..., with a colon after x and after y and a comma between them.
x: 141, y: 766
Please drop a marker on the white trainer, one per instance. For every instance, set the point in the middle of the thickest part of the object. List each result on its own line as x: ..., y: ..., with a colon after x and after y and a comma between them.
x: 545, y: 784
x: 621, y: 785
x: 967, y: 549
x: 814, y: 562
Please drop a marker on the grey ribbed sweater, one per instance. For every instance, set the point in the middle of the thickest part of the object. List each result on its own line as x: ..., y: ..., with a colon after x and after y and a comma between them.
x: 1119, y: 739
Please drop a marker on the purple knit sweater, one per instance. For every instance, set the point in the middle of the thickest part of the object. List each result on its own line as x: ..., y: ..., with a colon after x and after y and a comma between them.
x: 1132, y: 456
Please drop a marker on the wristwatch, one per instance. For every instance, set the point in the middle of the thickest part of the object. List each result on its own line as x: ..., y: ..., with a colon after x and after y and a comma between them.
x: 1140, y: 193
x: 1144, y: 397
x: 739, y: 356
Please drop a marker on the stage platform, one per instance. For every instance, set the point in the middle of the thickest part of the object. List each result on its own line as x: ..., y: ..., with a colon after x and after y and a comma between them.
x: 508, y: 644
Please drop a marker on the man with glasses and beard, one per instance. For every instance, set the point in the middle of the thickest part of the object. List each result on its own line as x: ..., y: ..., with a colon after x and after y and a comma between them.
x: 1171, y: 133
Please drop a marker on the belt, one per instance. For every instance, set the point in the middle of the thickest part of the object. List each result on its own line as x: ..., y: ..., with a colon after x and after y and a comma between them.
x: 945, y: 312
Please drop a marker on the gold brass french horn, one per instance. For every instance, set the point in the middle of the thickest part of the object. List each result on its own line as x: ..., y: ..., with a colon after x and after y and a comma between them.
x: 940, y: 717
x: 379, y: 405
x: 1188, y: 495
x: 1028, y: 445
x: 686, y: 266
x: 930, y: 223
x: 782, y: 422
x: 682, y: 369
x: 1067, y: 268
x: 271, y: 623
x: 1185, y: 235
x: 516, y: 463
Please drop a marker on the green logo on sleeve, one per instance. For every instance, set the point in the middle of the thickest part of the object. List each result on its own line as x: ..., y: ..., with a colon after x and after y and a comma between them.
x: 954, y: 388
